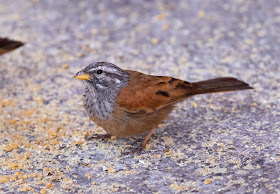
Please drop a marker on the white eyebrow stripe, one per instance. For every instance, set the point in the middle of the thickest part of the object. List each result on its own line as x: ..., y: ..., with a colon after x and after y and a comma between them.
x: 92, y: 69
x: 104, y: 68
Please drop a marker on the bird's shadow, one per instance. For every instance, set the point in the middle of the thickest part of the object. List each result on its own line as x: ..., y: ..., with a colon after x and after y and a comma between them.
x: 193, y: 129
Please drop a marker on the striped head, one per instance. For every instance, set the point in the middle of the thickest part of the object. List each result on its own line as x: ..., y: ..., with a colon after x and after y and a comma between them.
x: 103, y: 76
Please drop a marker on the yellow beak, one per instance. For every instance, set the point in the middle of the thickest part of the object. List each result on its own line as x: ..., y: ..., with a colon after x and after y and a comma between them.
x: 83, y: 76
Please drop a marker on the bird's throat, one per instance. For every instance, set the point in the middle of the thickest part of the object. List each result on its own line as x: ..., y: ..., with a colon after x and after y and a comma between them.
x: 99, y: 103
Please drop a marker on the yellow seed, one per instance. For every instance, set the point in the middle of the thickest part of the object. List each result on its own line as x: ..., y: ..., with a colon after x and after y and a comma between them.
x: 25, y: 187
x: 4, y: 179
x: 7, y: 102
x: 201, y: 14
x: 12, y: 121
x: 111, y: 170
x: 154, y: 41
x: 27, y: 154
x: 79, y: 142
x: 116, y: 189
x: 207, y: 181
x: 39, y: 100
x: 89, y: 176
x: 49, y: 185
x: 157, y: 156
x: 161, y: 16
x: 11, y: 146
x: 194, y: 104
x: 147, y: 146
x: 43, y: 191
x: 165, y: 27
x: 65, y: 66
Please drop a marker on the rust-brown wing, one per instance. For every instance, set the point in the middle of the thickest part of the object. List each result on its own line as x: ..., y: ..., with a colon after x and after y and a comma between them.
x: 147, y: 93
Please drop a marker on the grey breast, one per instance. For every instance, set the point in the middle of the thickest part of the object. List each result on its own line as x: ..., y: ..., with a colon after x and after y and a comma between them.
x: 99, y: 103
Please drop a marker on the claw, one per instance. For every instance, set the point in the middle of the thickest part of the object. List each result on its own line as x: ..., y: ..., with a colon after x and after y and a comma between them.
x: 137, y: 150
x: 98, y: 136
x: 140, y: 148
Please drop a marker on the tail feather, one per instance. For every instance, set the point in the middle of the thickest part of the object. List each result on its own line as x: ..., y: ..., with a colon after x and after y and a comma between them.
x: 7, y: 45
x: 222, y: 84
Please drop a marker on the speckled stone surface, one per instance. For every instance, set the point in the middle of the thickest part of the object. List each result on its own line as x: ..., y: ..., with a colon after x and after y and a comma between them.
x: 223, y: 143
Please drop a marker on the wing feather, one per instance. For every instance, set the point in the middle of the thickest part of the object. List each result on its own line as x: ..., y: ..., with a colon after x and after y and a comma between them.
x: 148, y: 93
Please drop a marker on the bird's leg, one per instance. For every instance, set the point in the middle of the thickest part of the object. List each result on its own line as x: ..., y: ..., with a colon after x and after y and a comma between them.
x: 147, y: 138
x: 98, y: 136
x: 141, y: 147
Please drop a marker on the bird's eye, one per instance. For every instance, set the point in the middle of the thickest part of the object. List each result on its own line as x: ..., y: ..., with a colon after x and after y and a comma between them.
x: 99, y: 71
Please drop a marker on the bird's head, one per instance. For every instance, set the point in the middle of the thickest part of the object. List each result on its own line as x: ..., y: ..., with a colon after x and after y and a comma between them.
x: 103, y: 76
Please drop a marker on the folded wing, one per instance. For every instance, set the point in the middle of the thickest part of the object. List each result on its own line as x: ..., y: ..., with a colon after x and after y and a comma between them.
x: 147, y: 93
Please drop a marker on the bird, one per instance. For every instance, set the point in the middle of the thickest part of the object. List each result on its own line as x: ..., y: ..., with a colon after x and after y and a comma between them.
x: 127, y: 103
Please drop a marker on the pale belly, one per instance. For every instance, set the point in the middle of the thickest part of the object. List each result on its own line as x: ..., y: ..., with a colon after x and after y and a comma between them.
x: 122, y: 125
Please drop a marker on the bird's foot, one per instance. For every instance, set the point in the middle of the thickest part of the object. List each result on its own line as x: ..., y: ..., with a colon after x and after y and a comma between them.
x: 98, y: 136
x: 132, y: 150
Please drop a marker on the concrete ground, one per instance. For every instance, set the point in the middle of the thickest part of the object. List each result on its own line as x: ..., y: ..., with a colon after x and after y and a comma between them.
x: 215, y: 143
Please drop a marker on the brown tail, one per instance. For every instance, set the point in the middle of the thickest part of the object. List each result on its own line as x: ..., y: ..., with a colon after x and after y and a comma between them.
x: 222, y: 84
x: 7, y: 45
